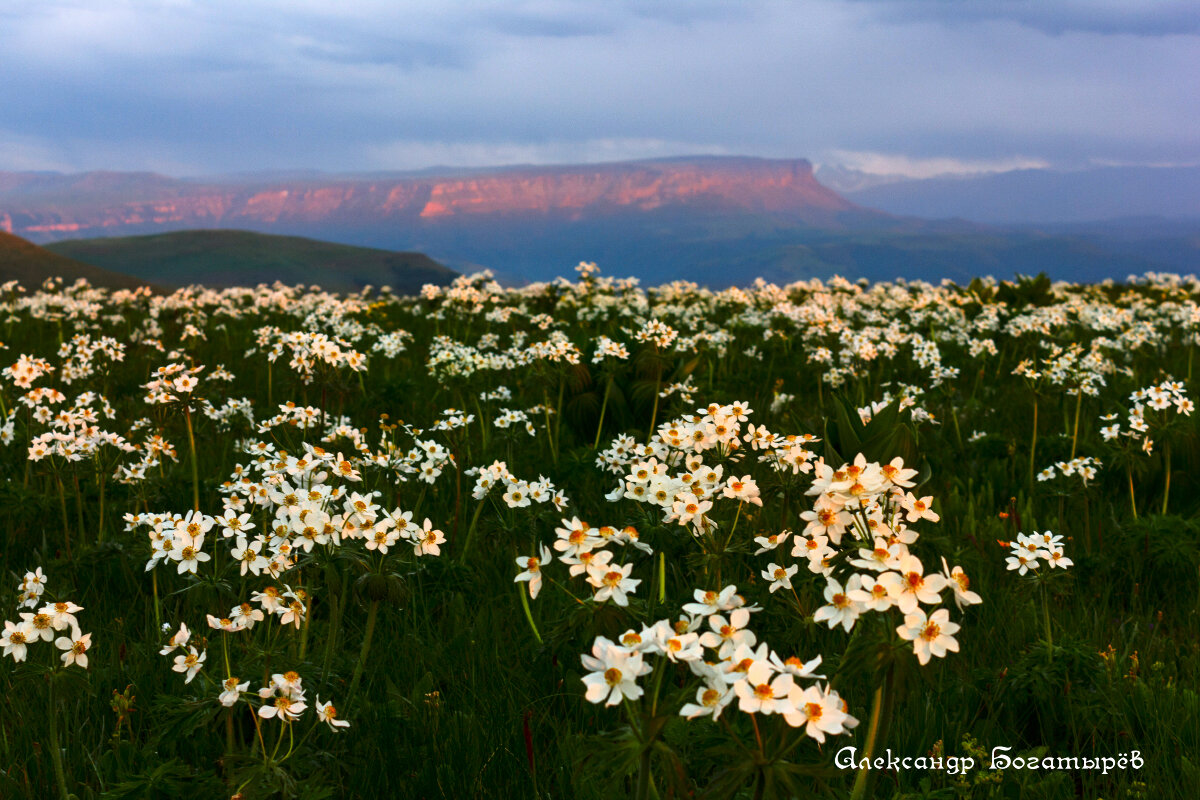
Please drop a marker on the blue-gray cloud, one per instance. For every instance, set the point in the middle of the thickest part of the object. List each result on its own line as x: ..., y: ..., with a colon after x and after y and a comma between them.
x: 1056, y: 17
x: 214, y: 86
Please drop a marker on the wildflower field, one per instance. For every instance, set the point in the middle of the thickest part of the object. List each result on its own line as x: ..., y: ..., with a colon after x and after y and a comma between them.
x: 590, y: 540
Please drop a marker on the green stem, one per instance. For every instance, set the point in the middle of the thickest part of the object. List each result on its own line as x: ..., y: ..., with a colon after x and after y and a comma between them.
x: 528, y: 612
x: 603, y: 408
x: 1078, y: 408
x: 662, y: 577
x: 157, y: 612
x: 60, y: 773
x: 654, y: 410
x: 736, y: 517
x: 304, y: 628
x: 1033, y: 442
x: 62, y: 505
x: 1167, y: 488
x: 195, y: 468
x: 335, y: 614
x: 1132, y: 499
x: 549, y: 432
x: 1046, y: 622
x: 877, y: 729
x: 366, y: 646
x: 100, y: 530
x: 471, y: 532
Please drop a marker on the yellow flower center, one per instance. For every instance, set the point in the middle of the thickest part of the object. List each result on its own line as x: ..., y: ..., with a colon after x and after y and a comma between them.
x: 612, y: 676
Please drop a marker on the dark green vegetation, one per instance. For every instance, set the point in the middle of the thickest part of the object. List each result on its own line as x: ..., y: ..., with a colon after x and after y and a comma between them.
x: 223, y: 258
x: 457, y: 697
x: 29, y: 265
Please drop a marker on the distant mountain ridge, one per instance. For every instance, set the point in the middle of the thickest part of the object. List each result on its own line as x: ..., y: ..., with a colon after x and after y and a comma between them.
x: 45, y: 207
x: 29, y: 265
x: 222, y: 258
x: 715, y: 220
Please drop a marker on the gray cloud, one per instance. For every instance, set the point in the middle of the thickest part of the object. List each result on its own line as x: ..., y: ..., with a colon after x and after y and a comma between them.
x: 222, y: 86
x: 1056, y: 17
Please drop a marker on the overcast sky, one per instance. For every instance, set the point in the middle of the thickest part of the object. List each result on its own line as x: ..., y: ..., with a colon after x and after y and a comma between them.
x: 912, y: 86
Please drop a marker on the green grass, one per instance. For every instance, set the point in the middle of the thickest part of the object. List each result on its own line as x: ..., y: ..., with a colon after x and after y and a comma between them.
x: 222, y: 258
x: 30, y: 265
x: 455, y: 686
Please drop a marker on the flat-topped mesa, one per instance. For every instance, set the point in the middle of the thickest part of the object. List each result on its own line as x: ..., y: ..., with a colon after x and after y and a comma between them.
x: 742, y: 183
x: 73, y: 205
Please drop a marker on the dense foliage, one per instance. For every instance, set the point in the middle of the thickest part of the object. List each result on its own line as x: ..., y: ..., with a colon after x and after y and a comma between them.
x: 582, y: 539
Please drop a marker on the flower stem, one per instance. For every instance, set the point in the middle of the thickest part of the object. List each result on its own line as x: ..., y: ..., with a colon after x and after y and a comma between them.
x: 1046, y: 621
x: 877, y: 729
x: 528, y: 612
x: 1132, y: 499
x: 195, y: 469
x: 157, y: 612
x: 60, y: 773
x: 654, y: 410
x: 471, y: 532
x: 1167, y: 488
x: 662, y: 577
x: 366, y: 646
x: 1033, y: 442
x: 1078, y: 408
x: 603, y: 408
x: 62, y: 505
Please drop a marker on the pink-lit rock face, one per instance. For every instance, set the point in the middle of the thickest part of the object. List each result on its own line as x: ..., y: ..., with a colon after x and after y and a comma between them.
x: 147, y: 202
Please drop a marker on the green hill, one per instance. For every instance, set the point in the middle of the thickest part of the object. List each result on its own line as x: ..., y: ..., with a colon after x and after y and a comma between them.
x: 30, y: 265
x: 240, y: 258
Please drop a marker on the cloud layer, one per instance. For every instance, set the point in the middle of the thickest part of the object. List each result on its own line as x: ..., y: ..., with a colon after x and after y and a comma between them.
x: 189, y: 87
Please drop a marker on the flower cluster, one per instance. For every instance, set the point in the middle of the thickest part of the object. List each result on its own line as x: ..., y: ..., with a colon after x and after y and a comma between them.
x: 858, y: 536
x: 44, y: 623
x: 1027, y: 550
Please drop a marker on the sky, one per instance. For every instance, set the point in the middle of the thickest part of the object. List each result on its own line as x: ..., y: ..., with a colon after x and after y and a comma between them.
x: 911, y: 87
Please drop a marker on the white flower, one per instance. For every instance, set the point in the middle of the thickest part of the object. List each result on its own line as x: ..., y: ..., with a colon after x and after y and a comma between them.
x: 190, y: 663
x: 960, y: 583
x: 16, y: 639
x: 910, y: 585
x: 532, y: 566
x: 711, y: 700
x: 841, y: 609
x: 231, y: 690
x: 612, y: 581
x: 779, y: 576
x: 931, y: 636
x: 819, y: 712
x: 326, y: 712
x: 759, y: 693
x: 613, y: 673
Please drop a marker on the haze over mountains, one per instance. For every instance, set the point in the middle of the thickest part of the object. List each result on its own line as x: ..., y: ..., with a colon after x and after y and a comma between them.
x: 715, y: 220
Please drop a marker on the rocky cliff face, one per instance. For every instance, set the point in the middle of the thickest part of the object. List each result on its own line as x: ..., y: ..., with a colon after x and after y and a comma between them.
x: 59, y: 207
